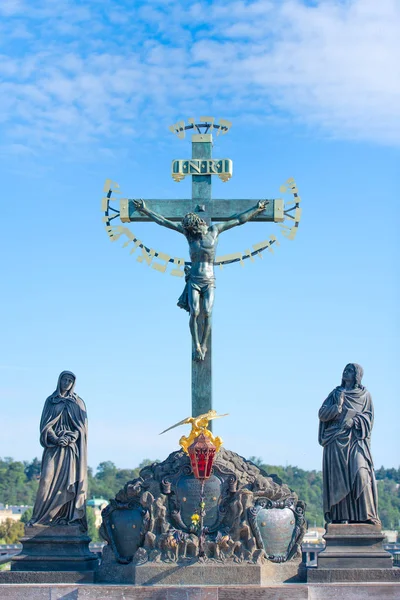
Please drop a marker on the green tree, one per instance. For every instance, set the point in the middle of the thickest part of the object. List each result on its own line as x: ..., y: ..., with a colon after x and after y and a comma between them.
x: 93, y: 532
x: 11, y: 531
x: 19, y: 483
x: 32, y: 469
x: 27, y: 516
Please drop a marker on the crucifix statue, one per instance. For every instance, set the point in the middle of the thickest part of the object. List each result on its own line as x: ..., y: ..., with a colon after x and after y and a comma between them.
x: 200, y: 219
x: 198, y: 295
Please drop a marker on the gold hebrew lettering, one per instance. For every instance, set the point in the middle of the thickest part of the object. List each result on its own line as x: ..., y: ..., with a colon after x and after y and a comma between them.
x: 247, y: 252
x: 226, y: 124
x: 111, y: 185
x: 261, y: 245
x: 296, y: 216
x: 114, y: 233
x: 272, y: 240
x: 288, y: 232
x: 137, y: 243
x: 207, y: 120
x: 292, y: 202
x: 131, y: 238
x: 104, y: 203
x: 179, y: 264
x: 292, y: 186
x: 178, y: 129
x: 181, y: 129
x: 230, y: 257
x: 146, y: 257
x: 161, y: 267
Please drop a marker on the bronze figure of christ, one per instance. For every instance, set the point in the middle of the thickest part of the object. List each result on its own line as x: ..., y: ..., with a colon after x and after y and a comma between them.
x: 198, y: 294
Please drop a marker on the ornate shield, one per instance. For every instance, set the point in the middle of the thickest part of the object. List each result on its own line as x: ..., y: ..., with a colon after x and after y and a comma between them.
x: 187, y: 491
x: 277, y: 527
x: 183, y: 490
x: 125, y: 528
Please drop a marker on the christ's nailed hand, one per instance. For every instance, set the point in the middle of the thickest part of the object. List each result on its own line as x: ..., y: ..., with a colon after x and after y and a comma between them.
x: 139, y: 204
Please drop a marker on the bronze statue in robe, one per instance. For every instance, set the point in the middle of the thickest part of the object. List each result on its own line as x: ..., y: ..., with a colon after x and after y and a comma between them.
x: 61, y: 498
x: 346, y: 419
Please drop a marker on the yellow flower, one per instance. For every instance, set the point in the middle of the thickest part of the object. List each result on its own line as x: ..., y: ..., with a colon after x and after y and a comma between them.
x: 195, y: 518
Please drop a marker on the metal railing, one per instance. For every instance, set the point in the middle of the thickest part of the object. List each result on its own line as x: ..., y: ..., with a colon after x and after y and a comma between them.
x: 8, y: 551
x: 310, y: 552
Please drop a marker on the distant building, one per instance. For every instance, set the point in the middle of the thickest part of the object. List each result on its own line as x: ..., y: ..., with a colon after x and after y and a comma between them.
x: 390, y: 536
x: 97, y: 504
x: 314, y: 535
x: 12, y: 512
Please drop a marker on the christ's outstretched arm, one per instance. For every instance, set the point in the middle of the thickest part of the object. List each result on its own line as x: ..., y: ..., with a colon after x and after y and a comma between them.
x: 241, y: 218
x: 159, y: 219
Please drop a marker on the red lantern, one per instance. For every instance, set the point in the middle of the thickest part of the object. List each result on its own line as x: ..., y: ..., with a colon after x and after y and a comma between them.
x: 202, y: 454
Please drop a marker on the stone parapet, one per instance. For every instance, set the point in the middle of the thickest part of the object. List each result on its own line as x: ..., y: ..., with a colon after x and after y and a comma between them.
x: 271, y: 592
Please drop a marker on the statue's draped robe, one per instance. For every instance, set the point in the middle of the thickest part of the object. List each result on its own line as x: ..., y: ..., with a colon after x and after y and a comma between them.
x: 61, y: 498
x: 348, y: 475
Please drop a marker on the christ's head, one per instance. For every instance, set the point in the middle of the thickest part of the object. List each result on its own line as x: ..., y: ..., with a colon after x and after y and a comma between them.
x: 193, y: 224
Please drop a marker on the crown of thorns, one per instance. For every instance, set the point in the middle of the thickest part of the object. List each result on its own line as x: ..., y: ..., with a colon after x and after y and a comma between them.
x: 193, y: 222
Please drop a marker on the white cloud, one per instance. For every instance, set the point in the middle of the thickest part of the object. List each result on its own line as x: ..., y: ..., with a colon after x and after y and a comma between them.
x: 11, y: 7
x: 332, y: 66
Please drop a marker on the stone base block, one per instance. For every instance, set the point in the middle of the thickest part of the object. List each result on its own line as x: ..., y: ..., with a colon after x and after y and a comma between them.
x: 353, y: 552
x: 271, y: 592
x: 25, y: 577
x: 58, y: 548
x: 354, y: 545
x: 317, y: 575
x: 198, y: 573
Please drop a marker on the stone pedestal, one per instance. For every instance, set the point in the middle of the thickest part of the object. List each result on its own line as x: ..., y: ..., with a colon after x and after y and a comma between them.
x: 205, y: 573
x: 58, y: 548
x: 353, y: 552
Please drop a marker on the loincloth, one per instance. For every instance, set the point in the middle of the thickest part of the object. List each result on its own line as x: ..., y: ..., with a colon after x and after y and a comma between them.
x: 200, y: 284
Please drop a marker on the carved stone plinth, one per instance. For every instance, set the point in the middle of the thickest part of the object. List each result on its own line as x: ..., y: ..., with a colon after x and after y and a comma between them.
x: 248, y: 515
x: 353, y: 552
x: 58, y: 548
x: 197, y: 572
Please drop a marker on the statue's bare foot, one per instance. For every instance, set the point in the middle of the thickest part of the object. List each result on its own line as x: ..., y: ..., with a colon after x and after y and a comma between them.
x: 197, y: 354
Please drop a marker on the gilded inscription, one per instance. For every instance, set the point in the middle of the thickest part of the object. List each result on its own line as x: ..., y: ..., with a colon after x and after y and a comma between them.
x: 222, y: 167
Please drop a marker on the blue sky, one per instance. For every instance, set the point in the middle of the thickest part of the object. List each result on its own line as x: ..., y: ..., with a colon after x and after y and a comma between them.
x: 88, y: 92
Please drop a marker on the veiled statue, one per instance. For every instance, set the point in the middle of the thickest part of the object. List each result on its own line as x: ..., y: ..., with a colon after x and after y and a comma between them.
x: 346, y: 419
x: 61, y: 498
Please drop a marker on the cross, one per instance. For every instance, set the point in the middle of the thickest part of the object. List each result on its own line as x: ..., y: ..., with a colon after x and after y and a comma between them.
x: 201, y: 167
